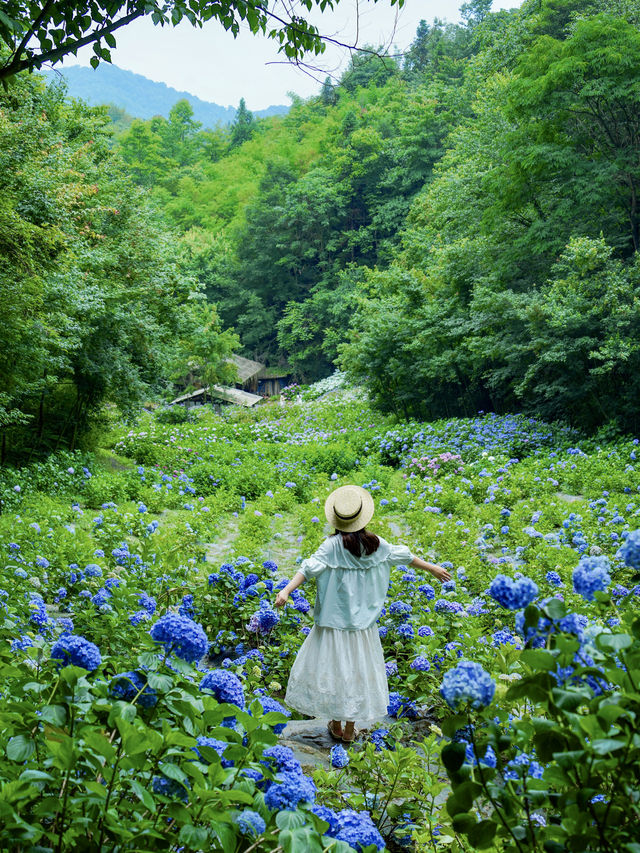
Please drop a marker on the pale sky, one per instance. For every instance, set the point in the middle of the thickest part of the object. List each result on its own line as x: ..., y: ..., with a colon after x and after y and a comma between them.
x: 211, y: 64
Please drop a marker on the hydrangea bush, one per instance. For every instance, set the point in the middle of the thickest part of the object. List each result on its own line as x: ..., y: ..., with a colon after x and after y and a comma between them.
x: 143, y: 666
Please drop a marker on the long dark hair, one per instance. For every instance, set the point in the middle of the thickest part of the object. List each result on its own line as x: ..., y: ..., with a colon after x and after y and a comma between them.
x: 359, y: 541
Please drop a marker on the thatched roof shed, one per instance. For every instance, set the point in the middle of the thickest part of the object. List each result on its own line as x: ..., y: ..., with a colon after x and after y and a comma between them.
x: 248, y: 370
x: 218, y: 392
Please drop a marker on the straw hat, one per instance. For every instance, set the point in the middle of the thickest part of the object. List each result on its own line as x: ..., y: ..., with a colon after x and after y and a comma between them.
x: 349, y: 508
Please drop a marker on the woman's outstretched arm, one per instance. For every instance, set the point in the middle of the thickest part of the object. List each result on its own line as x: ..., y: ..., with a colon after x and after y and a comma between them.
x: 297, y: 580
x: 436, y: 571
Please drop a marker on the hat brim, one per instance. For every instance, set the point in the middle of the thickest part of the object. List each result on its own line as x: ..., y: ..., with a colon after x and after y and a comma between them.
x: 364, y: 516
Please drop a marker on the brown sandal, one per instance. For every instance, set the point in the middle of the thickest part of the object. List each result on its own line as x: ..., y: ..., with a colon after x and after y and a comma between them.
x: 332, y: 732
x: 356, y: 734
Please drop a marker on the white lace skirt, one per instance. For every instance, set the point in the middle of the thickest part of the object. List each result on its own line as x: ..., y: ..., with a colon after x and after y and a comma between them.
x: 340, y: 675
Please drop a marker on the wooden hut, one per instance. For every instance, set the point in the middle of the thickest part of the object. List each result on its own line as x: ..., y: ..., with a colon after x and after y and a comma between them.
x: 248, y: 372
x: 272, y: 380
x: 221, y: 394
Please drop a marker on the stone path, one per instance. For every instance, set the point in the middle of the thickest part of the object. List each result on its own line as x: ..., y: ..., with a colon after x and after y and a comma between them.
x: 218, y: 552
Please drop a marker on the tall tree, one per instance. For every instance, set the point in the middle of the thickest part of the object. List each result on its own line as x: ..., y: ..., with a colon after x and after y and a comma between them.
x: 243, y: 125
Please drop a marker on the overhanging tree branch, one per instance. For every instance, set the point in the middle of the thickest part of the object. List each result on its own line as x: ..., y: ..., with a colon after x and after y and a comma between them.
x: 18, y: 65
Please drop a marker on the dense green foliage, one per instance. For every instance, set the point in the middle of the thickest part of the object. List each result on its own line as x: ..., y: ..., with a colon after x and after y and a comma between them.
x: 96, y: 305
x: 444, y: 225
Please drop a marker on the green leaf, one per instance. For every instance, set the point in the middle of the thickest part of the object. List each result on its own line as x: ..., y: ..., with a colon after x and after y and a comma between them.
x: 531, y: 616
x: 450, y: 725
x: 538, y: 659
x: 171, y: 771
x: 300, y: 840
x: 482, y: 834
x: 143, y: 795
x: 289, y: 820
x: 613, y: 642
x: 54, y: 714
x: 161, y: 683
x: 463, y: 822
x: 20, y: 748
x: 607, y: 745
x: 462, y: 797
x: 569, y: 700
x: 555, y: 609
x: 453, y: 755
x: 193, y: 836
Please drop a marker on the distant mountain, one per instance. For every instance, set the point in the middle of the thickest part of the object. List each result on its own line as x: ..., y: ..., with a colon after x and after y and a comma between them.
x: 141, y: 97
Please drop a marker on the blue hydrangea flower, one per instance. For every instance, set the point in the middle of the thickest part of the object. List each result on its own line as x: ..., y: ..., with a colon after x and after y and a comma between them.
x: 127, y: 685
x: 269, y: 704
x: 357, y: 829
x: 264, y: 619
x: 327, y: 815
x: 514, y: 595
x: 428, y: 591
x: 467, y: 683
x: 77, y: 651
x: 180, y: 636
x: 218, y: 745
x: 147, y: 602
x: 289, y: 789
x: 92, y: 570
x: 225, y: 686
x: 629, y: 552
x: 421, y: 664
x: 169, y: 788
x: 378, y: 738
x: 281, y: 759
x: 21, y: 643
x: 101, y: 597
x: 443, y: 605
x: 250, y: 823
x: 590, y: 575
x: 523, y: 765
x: 400, y: 706
x: 489, y: 758
x: 339, y: 757
x: 504, y: 637
x: 400, y: 608
x: 425, y: 631
x: 406, y: 630
x: 554, y: 579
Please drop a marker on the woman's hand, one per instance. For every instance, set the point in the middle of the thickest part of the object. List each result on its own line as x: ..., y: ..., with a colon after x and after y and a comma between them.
x: 440, y: 573
x: 281, y: 598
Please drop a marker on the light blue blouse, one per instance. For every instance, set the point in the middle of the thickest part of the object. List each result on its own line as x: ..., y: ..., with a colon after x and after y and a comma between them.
x: 351, y: 590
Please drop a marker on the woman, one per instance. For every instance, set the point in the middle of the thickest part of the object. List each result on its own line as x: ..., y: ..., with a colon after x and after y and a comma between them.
x: 339, y: 670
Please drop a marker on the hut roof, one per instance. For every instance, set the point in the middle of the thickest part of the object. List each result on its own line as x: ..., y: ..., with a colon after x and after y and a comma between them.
x: 247, y: 369
x: 275, y: 372
x: 191, y: 396
x: 222, y: 392
x: 234, y: 395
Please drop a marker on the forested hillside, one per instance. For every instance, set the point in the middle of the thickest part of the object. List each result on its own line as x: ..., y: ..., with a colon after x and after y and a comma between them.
x: 458, y: 227
x: 139, y: 96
